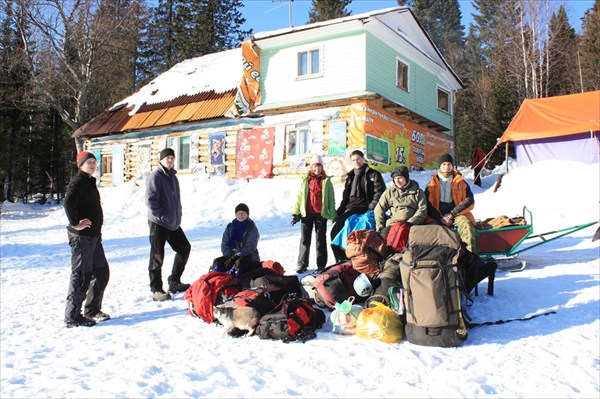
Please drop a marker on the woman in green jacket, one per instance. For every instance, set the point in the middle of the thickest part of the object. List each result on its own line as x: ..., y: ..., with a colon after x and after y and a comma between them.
x: 314, y: 205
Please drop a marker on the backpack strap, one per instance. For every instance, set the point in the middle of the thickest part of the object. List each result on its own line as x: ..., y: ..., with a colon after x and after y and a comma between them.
x: 489, y: 323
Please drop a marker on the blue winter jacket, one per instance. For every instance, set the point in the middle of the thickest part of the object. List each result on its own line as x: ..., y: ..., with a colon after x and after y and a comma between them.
x: 163, y: 198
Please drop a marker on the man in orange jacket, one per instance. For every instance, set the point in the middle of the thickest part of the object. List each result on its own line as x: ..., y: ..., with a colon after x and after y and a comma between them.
x: 450, y: 201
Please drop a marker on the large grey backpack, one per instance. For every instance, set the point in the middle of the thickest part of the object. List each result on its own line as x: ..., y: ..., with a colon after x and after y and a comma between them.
x: 432, y: 299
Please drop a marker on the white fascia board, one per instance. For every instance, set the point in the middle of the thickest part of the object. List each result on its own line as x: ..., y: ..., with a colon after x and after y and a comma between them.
x: 403, y: 45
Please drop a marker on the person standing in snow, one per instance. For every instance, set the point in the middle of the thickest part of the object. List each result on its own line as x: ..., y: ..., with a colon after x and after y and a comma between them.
x: 477, y: 162
x: 239, y: 244
x: 362, y: 190
x: 405, y: 201
x: 89, y: 267
x: 450, y: 200
x: 315, y: 204
x: 163, y: 200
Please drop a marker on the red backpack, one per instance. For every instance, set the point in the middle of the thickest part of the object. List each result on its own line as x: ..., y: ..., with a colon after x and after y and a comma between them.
x: 257, y: 298
x: 334, y: 284
x: 209, y: 290
x: 397, y: 237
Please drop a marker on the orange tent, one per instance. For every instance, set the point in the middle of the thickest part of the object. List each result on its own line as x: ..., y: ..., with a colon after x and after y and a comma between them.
x: 555, y: 116
x: 561, y: 127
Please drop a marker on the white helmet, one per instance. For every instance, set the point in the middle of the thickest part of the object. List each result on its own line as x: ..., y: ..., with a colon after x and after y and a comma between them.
x: 362, y: 285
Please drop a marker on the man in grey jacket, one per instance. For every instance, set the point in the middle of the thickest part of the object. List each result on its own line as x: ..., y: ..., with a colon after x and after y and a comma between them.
x: 164, y: 218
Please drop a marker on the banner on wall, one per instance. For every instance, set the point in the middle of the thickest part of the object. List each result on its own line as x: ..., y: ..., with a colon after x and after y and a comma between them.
x: 390, y: 141
x: 255, y: 153
x: 337, y: 138
x: 248, y: 93
x: 216, y: 146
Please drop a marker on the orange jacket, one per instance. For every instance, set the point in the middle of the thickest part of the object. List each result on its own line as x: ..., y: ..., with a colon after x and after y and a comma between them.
x: 462, y: 196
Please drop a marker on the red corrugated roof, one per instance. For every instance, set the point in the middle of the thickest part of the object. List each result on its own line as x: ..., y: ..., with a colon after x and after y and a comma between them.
x: 205, y: 105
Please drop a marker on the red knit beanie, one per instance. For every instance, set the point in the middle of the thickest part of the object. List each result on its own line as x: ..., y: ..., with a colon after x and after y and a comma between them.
x: 84, y: 156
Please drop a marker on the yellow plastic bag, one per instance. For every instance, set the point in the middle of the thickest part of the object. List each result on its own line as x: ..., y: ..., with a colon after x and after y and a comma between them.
x: 379, y: 322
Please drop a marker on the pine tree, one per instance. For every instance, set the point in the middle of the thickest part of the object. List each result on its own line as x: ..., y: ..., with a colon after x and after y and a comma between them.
x: 323, y: 10
x: 590, y: 48
x: 562, y: 56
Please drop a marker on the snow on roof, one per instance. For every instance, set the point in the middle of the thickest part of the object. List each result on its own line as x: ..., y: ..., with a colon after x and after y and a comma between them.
x: 218, y: 72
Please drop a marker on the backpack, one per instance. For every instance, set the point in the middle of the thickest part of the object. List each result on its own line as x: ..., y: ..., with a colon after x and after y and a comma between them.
x: 334, y: 284
x: 294, y: 319
x: 211, y: 289
x: 366, y: 249
x: 432, y: 296
x: 277, y: 286
x: 397, y: 236
x: 257, y: 298
x: 273, y: 265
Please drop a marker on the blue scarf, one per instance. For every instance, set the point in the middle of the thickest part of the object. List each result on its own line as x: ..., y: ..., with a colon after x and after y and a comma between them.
x: 237, y: 232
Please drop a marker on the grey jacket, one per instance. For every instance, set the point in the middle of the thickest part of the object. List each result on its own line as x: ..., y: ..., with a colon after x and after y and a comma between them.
x: 408, y: 205
x: 249, y: 242
x: 163, y: 198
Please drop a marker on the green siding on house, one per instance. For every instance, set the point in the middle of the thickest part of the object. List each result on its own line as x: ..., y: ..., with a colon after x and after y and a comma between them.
x: 343, y: 69
x: 422, y: 95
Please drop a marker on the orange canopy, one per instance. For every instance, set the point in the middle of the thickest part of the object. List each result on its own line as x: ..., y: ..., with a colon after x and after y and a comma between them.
x: 555, y: 116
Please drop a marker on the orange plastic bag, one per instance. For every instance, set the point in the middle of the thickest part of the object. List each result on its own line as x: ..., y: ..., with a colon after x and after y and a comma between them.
x: 379, y: 322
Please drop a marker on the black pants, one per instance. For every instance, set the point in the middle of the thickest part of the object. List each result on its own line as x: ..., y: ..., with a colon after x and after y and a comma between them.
x: 477, y: 177
x: 178, y: 242
x: 306, y: 227
x: 89, y: 276
x: 338, y: 252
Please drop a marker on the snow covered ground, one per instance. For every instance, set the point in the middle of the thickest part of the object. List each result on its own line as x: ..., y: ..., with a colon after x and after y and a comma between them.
x: 156, y: 350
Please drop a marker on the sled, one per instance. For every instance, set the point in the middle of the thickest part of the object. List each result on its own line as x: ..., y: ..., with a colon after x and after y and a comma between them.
x: 507, y: 240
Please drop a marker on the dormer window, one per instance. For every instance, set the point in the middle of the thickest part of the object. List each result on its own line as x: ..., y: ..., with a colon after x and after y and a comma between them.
x: 402, y: 74
x: 309, y: 62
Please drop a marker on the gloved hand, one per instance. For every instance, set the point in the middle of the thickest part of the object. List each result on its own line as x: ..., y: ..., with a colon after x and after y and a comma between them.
x: 448, y: 219
x: 295, y: 219
x: 229, y: 263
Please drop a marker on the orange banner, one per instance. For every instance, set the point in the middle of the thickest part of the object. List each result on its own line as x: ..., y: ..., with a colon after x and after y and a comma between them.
x: 390, y: 141
x: 248, y: 94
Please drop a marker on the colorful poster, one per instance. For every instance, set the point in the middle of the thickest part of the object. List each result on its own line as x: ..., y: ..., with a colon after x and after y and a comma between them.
x: 337, y: 138
x: 216, y: 146
x: 248, y: 93
x: 255, y: 153
x: 390, y: 141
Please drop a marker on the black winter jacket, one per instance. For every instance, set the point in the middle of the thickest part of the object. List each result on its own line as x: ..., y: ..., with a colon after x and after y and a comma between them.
x: 372, y: 183
x: 82, y: 201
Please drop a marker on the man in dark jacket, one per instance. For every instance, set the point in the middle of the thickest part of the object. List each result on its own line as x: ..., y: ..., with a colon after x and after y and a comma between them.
x: 164, y: 218
x: 363, y: 188
x: 88, y: 261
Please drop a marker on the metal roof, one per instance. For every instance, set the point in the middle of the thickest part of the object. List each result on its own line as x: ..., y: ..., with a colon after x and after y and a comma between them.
x: 205, y: 105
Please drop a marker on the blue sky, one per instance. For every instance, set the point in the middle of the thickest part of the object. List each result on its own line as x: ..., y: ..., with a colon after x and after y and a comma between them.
x: 264, y: 15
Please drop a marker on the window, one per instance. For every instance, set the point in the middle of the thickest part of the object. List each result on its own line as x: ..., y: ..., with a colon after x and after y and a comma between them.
x: 106, y: 166
x: 298, y: 140
x: 181, y: 146
x: 443, y: 100
x: 309, y: 62
x: 402, y: 75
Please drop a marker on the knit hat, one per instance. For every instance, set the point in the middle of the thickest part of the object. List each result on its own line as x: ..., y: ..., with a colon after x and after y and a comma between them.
x: 400, y: 171
x: 446, y: 158
x: 84, y: 156
x: 316, y: 158
x: 165, y: 153
x: 242, y: 207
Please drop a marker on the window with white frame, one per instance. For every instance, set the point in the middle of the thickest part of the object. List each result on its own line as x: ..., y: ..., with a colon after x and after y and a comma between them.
x: 181, y: 146
x: 309, y: 62
x: 298, y: 140
x: 402, y: 74
x: 443, y: 100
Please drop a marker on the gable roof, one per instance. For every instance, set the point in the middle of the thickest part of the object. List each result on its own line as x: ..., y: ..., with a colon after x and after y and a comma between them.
x: 195, y: 89
x: 555, y: 116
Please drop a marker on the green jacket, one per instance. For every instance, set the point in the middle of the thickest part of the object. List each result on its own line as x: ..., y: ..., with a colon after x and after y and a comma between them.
x: 407, y: 205
x: 328, y: 208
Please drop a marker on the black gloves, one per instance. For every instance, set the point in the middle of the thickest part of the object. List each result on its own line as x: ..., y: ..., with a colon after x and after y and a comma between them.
x: 295, y: 219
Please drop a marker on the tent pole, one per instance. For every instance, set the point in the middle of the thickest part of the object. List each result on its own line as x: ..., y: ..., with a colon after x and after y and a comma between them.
x: 506, y: 154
